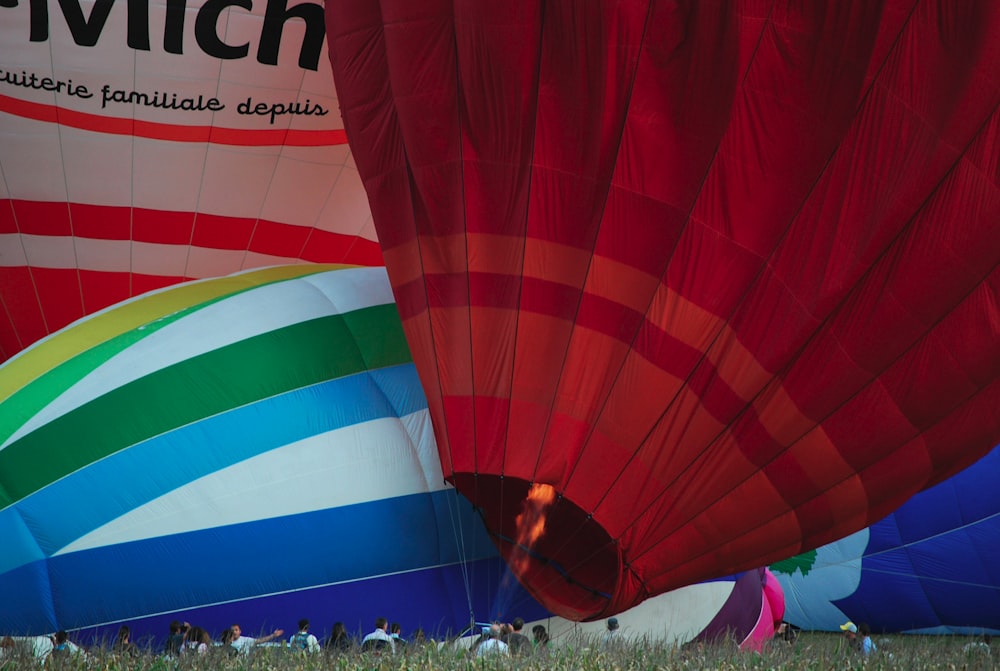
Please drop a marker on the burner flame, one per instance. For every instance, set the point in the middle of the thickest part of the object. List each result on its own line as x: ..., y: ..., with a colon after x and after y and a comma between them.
x: 531, y: 523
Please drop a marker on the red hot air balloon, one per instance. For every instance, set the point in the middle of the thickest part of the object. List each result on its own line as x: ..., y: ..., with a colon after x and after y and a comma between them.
x: 143, y: 144
x: 721, y: 276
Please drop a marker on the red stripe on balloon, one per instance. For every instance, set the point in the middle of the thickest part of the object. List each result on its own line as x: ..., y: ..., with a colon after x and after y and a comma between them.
x: 104, y: 222
x: 171, y: 132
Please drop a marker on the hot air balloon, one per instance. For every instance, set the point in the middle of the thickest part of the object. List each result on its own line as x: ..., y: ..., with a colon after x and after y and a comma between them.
x: 704, y: 285
x: 929, y: 567
x: 251, y: 449
x: 143, y: 144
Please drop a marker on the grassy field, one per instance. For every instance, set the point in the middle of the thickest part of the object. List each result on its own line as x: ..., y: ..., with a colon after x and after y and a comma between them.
x: 819, y: 652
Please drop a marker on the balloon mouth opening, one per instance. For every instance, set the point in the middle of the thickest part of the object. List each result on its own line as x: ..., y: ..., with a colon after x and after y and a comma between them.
x: 558, y: 552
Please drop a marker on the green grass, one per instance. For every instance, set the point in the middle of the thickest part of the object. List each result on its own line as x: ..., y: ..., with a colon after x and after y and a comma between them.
x: 811, y: 652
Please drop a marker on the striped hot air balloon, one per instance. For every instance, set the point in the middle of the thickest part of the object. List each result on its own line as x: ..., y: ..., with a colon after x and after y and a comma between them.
x: 251, y: 449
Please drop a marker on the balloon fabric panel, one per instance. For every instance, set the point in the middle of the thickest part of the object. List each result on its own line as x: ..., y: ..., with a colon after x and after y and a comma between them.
x: 722, y: 276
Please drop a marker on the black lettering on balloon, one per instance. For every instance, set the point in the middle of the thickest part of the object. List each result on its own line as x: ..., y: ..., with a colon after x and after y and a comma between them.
x: 39, y: 20
x: 87, y: 28
x: 138, y: 24
x: 85, y: 31
x: 275, y: 16
x: 206, y: 30
x: 173, y: 29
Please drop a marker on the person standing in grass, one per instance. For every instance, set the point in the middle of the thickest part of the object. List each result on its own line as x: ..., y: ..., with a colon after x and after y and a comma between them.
x: 396, y: 632
x: 175, y: 641
x: 859, y: 637
x: 612, y: 637
x: 197, y: 642
x: 493, y: 645
x: 518, y: 643
x: 302, y: 640
x: 339, y: 640
x: 123, y: 643
x: 867, y: 645
x: 379, y: 640
x: 244, y: 644
x: 540, y: 639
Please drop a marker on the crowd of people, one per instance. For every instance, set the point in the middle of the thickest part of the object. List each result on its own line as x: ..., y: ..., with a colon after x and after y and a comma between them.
x: 385, y: 638
x: 505, y: 639
x: 187, y: 640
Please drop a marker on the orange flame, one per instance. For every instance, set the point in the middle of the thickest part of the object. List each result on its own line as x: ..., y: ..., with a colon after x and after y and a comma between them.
x: 531, y: 523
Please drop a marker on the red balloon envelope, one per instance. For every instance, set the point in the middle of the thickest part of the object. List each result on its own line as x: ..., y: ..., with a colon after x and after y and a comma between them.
x: 721, y: 276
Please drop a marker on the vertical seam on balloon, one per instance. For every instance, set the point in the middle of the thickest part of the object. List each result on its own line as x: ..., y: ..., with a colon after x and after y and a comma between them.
x: 131, y: 186
x: 468, y: 288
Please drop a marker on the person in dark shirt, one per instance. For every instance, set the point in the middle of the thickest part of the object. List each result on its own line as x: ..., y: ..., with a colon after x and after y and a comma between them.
x: 175, y: 641
x: 123, y: 643
x: 339, y: 641
x: 518, y: 643
x: 540, y: 639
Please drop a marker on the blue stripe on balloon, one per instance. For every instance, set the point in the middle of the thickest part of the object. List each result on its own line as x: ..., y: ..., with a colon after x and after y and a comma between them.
x: 79, y: 503
x: 280, y: 555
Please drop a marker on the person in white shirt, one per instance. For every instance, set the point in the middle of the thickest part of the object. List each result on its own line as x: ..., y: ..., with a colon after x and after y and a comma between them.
x: 303, y: 640
x: 244, y: 644
x: 379, y: 640
x: 39, y: 647
x: 493, y: 645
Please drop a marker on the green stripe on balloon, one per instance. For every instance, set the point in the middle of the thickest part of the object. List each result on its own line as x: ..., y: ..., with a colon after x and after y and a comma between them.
x: 365, y: 339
